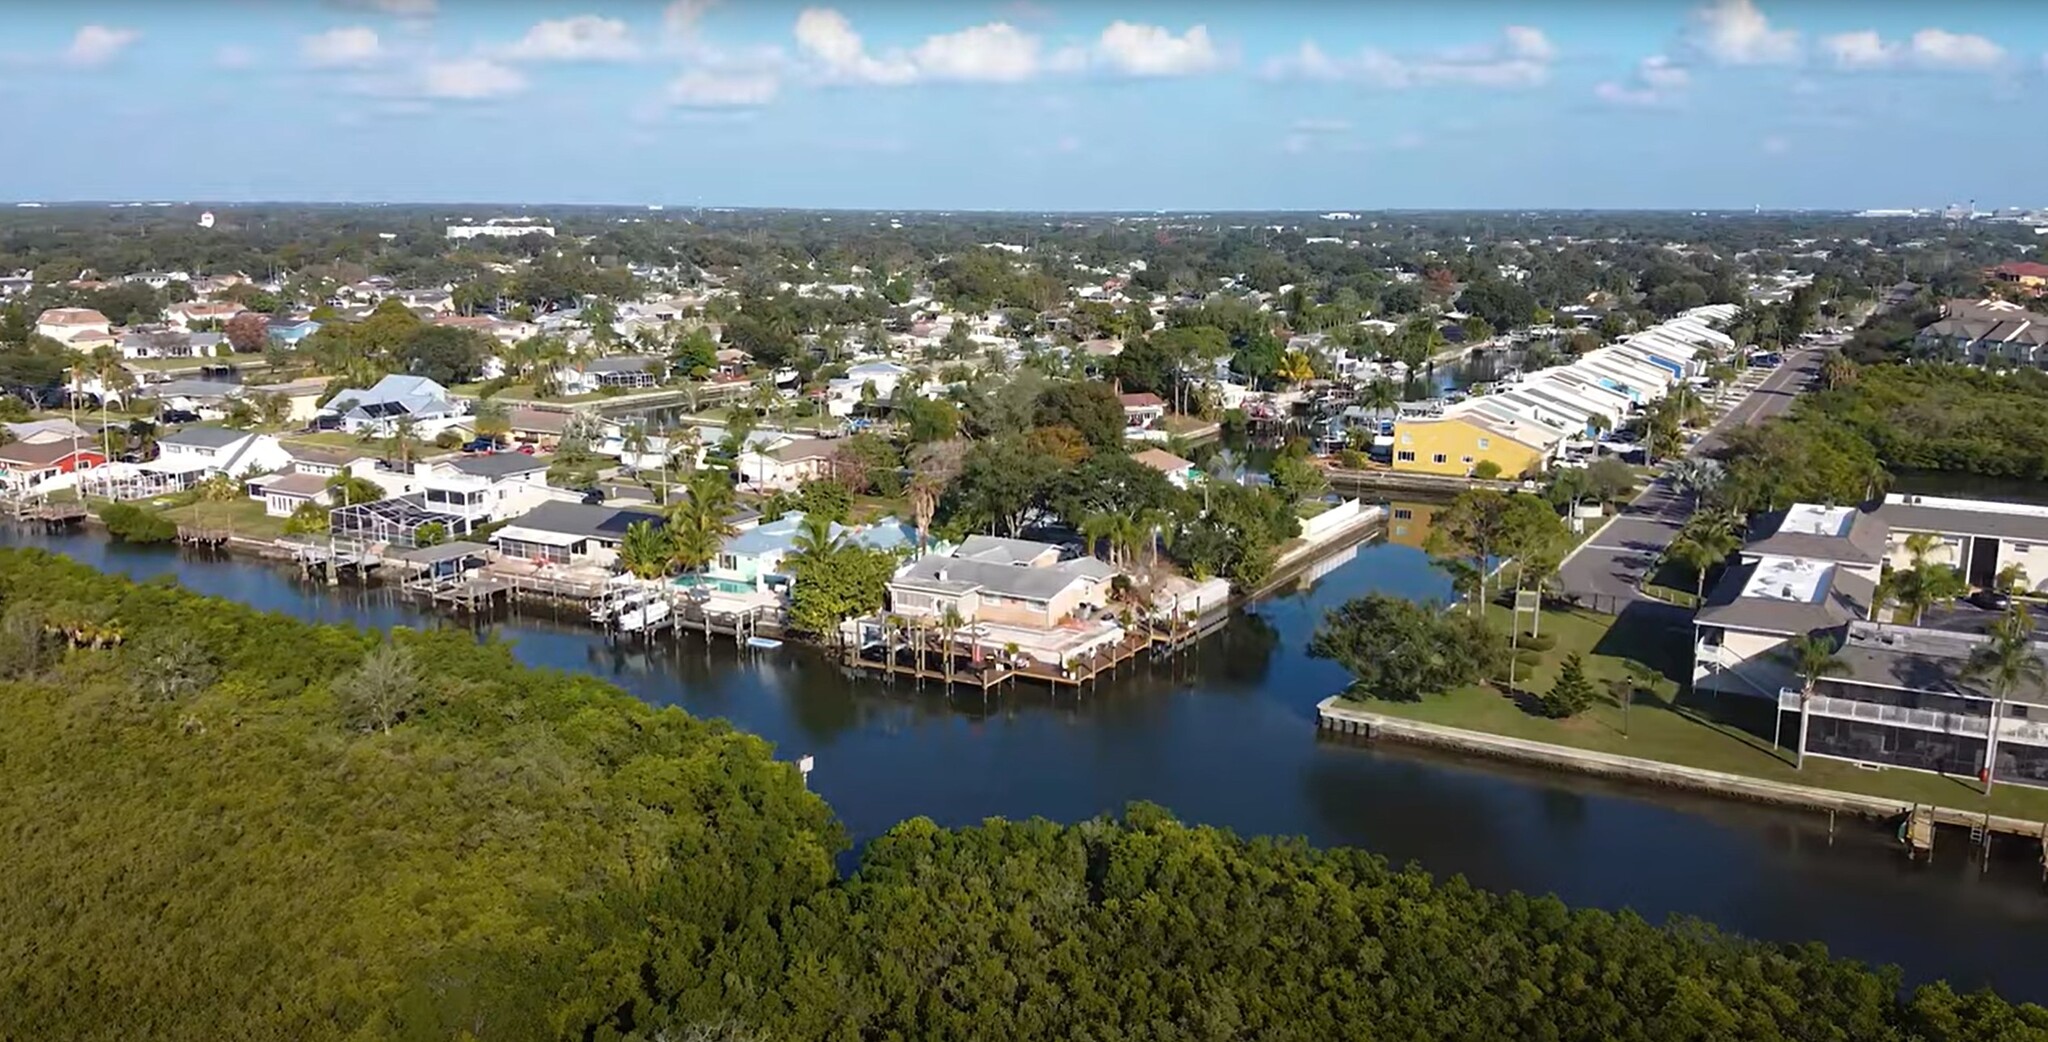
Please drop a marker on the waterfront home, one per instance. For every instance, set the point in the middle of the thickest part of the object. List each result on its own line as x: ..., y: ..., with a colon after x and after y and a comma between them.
x: 1142, y: 411
x: 289, y: 331
x: 26, y: 466
x: 208, y: 399
x: 1742, y: 631
x: 168, y: 343
x: 1012, y: 581
x: 487, y: 487
x: 625, y: 372
x: 1462, y: 435
x: 570, y: 533
x: 753, y: 557
x: 191, y: 454
x: 1904, y: 699
x: 399, y: 522
x: 539, y: 427
x: 283, y: 494
x: 377, y: 409
x: 1181, y: 473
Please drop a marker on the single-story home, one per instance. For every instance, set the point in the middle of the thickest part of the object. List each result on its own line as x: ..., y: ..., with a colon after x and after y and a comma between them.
x: 24, y: 466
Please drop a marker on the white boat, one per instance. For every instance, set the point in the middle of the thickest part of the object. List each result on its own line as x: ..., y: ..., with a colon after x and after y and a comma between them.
x: 764, y: 643
x: 615, y: 605
x: 640, y: 618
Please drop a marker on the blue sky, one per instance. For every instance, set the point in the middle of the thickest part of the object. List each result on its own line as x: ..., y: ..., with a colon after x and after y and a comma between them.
x: 1031, y: 104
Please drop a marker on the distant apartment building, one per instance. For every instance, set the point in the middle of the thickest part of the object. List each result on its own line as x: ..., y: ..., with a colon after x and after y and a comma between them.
x: 501, y: 228
x: 1986, y: 332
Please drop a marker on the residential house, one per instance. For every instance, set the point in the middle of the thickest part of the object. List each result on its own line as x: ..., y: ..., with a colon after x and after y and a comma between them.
x: 504, y: 331
x: 1181, y: 473
x: 876, y: 380
x: 2031, y: 275
x: 752, y: 559
x: 191, y: 454
x: 168, y: 343
x: 302, y: 396
x: 621, y: 371
x: 81, y: 329
x: 26, y: 466
x: 783, y: 463
x: 1458, y: 437
x: 486, y: 487
x: 158, y: 279
x: 377, y: 409
x: 42, y: 432
x: 1013, y: 582
x: 289, y: 331
x: 208, y: 399
x: 286, y: 493
x: 539, y: 427
x: 1142, y: 411
x: 570, y: 533
x: 196, y: 312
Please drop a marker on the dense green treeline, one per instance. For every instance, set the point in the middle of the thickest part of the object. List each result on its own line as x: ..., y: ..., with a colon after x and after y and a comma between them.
x: 220, y: 824
x: 1947, y: 417
x: 207, y: 836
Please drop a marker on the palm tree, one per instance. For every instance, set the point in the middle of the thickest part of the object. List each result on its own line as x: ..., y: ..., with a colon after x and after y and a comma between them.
x: 112, y: 376
x: 1697, y: 555
x: 214, y: 488
x: 1837, y: 371
x: 404, y: 435
x: 925, y: 489
x: 1919, y: 545
x: 1926, y: 584
x: 1812, y: 657
x: 1697, y: 476
x: 2008, y: 663
x: 634, y: 441
x: 1381, y: 396
x: 644, y: 550
x: 1096, y: 528
x: 1295, y: 368
x: 815, y: 541
x: 493, y: 419
x: 2012, y: 579
x: 697, y: 526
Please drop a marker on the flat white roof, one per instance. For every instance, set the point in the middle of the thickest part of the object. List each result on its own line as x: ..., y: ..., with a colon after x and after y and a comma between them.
x: 1975, y: 506
x: 1789, y: 579
x: 1811, y: 519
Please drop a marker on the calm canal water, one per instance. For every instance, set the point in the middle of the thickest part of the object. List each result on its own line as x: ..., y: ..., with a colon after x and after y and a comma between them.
x: 1226, y: 736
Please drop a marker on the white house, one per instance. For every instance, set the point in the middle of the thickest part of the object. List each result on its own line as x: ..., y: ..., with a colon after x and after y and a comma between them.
x: 80, y: 329
x: 787, y: 464
x: 193, y: 312
x: 488, y: 487
x: 194, y: 453
x: 378, y: 409
x: 844, y: 394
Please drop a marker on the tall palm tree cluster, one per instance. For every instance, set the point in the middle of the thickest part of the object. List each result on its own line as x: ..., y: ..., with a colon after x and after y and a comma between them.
x: 689, y: 536
x: 1924, y: 583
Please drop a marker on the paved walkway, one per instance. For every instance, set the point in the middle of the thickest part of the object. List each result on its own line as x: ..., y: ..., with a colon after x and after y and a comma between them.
x: 1605, y: 571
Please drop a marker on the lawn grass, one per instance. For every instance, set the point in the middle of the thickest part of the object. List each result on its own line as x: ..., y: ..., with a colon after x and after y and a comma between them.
x: 242, y: 516
x: 1729, y: 733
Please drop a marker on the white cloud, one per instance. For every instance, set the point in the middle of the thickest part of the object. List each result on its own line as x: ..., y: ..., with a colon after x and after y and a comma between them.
x: 710, y: 90
x: 825, y: 36
x: 997, y: 52
x: 352, y: 47
x: 96, y: 45
x: 1655, y: 81
x: 1926, y: 49
x: 1735, y: 32
x: 1152, y: 50
x: 469, y: 79
x: 1522, y: 57
x: 583, y: 38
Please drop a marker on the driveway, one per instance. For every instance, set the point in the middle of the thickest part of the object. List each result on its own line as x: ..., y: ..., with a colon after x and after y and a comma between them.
x: 1604, y: 571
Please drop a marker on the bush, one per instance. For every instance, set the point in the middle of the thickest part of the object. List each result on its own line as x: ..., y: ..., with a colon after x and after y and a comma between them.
x: 1352, y: 459
x: 1527, y: 659
x: 1537, y: 641
x: 135, y: 524
x: 448, y: 439
x: 1486, y: 470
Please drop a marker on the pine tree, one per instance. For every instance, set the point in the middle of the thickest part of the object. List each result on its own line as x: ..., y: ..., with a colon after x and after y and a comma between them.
x: 1572, y: 692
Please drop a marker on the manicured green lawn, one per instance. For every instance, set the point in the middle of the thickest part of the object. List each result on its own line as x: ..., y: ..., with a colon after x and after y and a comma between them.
x: 1728, y: 733
x: 243, y: 516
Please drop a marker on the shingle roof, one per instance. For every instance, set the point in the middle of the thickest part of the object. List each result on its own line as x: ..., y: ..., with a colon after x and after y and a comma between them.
x: 1846, y: 597
x: 499, y: 464
x: 203, y: 437
x: 583, y: 519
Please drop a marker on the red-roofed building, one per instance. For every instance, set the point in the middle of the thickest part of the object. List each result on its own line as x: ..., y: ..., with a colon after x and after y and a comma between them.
x: 2030, y: 274
x: 25, y: 465
x: 1142, y: 411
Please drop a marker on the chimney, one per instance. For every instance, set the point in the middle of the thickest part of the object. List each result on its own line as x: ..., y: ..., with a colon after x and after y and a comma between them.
x: 942, y: 575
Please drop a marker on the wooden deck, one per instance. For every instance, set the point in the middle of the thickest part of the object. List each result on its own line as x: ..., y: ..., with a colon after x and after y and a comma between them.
x: 930, y: 659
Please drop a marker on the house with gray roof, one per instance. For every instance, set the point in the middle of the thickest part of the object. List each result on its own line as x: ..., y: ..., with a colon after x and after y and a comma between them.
x: 1907, y: 698
x: 1981, y: 538
x: 1979, y: 331
x: 1015, y: 582
x: 1759, y: 607
x: 379, y: 408
x: 191, y: 454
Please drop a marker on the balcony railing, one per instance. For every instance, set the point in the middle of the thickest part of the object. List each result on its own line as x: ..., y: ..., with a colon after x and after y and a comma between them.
x: 2009, y: 730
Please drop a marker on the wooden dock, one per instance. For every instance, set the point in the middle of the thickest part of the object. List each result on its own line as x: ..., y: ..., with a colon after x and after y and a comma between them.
x: 38, y: 509
x: 204, y: 537
x: 931, y: 657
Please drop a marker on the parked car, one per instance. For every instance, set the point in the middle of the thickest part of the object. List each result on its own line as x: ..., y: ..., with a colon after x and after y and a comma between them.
x: 179, y: 416
x: 481, y: 445
x: 1990, y: 600
x: 593, y: 496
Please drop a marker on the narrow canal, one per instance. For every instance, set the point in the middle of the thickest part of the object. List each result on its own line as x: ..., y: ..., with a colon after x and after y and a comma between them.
x: 1226, y: 736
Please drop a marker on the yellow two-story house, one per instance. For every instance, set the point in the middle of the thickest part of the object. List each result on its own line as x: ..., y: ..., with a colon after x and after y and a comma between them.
x: 1458, y: 440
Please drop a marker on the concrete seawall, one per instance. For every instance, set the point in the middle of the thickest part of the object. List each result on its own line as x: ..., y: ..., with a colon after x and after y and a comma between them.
x: 1332, y: 715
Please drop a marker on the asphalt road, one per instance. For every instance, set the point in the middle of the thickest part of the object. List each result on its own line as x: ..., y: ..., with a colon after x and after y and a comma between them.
x: 1605, y: 571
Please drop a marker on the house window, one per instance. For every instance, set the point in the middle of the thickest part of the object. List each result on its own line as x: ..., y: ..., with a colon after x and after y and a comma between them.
x: 1439, y: 458
x: 1464, y: 459
x: 1486, y: 443
x: 1403, y: 514
x: 1405, y: 457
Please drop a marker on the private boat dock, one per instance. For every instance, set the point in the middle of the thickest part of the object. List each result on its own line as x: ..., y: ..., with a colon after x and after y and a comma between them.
x: 1916, y: 822
x: 37, y: 509
x: 965, y: 657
